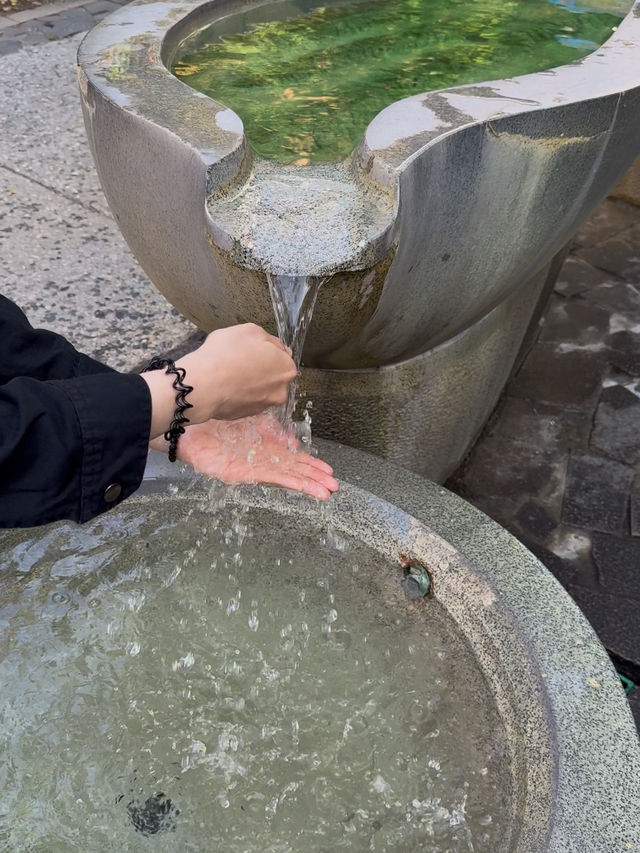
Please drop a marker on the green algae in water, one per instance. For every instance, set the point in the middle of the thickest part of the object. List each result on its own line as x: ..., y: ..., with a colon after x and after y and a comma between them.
x: 282, y: 695
x: 307, y: 87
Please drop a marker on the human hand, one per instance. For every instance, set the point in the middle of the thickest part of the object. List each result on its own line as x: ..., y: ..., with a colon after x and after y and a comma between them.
x: 237, y: 372
x: 253, y: 450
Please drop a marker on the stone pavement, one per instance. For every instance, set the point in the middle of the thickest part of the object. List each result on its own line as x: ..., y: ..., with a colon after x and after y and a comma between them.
x: 62, y: 257
x: 559, y: 461
x: 51, y: 22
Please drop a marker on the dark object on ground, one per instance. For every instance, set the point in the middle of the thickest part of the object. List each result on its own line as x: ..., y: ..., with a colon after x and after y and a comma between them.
x: 157, y: 814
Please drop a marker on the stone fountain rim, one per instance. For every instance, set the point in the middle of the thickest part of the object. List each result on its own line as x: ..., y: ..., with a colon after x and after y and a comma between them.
x: 595, y: 772
x: 419, y: 121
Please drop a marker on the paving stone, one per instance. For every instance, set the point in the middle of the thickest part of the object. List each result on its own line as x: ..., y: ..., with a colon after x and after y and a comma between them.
x: 623, y: 351
x: 596, y: 493
x: 571, y: 549
x: 575, y: 321
x: 609, y: 219
x: 8, y: 46
x: 542, y: 425
x: 620, y: 298
x: 535, y: 522
x: 634, y: 508
x: 618, y: 561
x: 68, y: 23
x: 98, y: 7
x: 43, y: 136
x: 616, y: 428
x: 614, y: 619
x: 514, y: 472
x: 619, y: 255
x: 81, y: 280
x: 562, y: 569
x: 577, y: 276
x: 570, y: 379
x: 31, y: 38
x: 626, y: 667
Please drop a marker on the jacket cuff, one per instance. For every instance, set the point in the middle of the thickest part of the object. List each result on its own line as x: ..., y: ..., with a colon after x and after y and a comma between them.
x: 114, y: 413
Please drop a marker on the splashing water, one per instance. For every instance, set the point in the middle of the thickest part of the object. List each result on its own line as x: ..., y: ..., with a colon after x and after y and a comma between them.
x: 220, y: 683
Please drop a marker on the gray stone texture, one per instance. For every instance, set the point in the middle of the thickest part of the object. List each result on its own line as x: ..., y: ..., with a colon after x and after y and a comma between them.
x: 618, y: 254
x: 635, y: 507
x: 575, y: 322
x: 592, y: 545
x: 68, y: 23
x: 597, y: 493
x: 618, y: 561
x: 20, y: 29
x: 611, y: 219
x: 62, y: 257
x: 613, y: 617
x: 570, y: 379
x: 624, y: 351
x: 616, y: 431
x: 634, y: 703
x: 577, y: 276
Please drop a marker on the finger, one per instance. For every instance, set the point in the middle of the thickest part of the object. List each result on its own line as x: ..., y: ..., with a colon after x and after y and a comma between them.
x: 306, y: 486
x: 293, y: 480
x: 314, y: 462
x: 317, y: 463
x: 298, y: 466
x: 321, y: 477
x: 272, y: 339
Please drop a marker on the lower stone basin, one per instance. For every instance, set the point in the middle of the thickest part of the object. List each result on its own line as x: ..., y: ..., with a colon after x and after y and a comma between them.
x: 206, y: 668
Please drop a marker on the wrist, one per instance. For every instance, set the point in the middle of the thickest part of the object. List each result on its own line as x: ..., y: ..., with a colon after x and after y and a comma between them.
x: 203, y: 401
x: 163, y: 402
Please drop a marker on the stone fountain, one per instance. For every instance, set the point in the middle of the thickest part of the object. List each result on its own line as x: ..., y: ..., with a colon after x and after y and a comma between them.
x: 409, y: 364
x: 439, y: 239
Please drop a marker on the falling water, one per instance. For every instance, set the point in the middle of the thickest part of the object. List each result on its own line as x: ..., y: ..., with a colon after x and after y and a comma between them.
x: 294, y: 298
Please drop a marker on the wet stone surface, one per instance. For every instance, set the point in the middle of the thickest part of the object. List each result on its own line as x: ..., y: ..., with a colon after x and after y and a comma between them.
x: 558, y: 464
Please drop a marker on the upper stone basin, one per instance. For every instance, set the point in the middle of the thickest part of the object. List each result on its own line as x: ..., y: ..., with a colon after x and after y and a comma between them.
x: 453, y: 199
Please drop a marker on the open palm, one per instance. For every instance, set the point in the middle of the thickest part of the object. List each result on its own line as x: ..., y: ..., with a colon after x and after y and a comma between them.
x: 253, y: 450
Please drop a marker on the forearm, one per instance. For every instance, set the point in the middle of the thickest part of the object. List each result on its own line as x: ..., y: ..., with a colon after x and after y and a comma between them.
x: 66, y: 442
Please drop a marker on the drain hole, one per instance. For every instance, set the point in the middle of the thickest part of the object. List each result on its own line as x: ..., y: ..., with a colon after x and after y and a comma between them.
x: 158, y: 814
x: 418, y: 580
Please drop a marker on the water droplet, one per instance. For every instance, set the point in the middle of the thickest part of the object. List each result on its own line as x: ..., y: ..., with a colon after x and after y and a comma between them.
x: 60, y: 597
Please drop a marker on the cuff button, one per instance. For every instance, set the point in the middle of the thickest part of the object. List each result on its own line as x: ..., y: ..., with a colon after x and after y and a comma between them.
x: 112, y: 492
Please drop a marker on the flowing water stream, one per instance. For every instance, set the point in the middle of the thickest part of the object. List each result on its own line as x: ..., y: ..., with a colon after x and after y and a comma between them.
x: 294, y: 298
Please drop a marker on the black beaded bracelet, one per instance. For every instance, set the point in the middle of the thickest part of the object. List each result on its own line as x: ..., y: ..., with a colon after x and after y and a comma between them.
x: 176, y: 428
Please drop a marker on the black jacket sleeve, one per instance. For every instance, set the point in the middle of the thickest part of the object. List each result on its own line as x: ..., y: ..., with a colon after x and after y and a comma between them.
x: 40, y: 354
x: 73, y: 433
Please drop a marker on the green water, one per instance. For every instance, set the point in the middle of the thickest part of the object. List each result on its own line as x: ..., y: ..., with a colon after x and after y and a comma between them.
x: 307, y: 87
